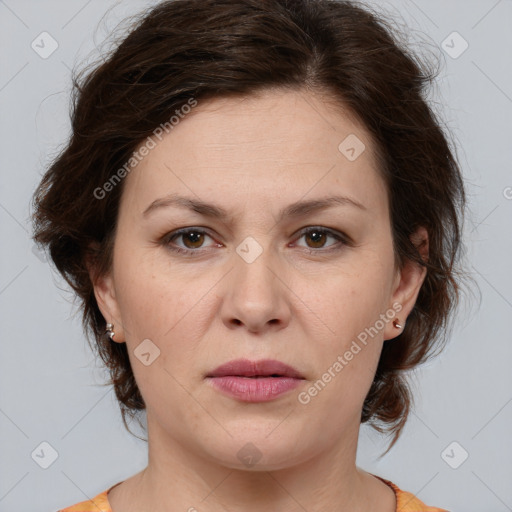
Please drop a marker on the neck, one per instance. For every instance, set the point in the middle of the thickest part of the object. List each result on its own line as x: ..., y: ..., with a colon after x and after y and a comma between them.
x: 176, y: 479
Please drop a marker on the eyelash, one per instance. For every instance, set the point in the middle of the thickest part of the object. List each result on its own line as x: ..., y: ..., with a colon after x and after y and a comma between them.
x: 341, y: 238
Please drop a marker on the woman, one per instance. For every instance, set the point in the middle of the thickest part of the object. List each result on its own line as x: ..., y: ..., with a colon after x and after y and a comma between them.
x: 261, y: 216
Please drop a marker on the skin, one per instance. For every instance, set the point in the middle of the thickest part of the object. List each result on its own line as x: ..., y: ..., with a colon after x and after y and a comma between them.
x: 301, y: 302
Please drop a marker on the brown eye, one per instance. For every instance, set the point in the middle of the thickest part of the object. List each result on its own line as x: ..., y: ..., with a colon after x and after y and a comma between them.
x: 188, y: 241
x: 317, y: 237
x: 193, y: 239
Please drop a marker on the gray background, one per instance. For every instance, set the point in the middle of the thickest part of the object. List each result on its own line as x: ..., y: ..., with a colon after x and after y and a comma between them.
x: 50, y: 384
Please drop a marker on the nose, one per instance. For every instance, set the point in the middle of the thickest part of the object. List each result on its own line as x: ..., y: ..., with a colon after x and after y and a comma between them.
x: 254, y: 297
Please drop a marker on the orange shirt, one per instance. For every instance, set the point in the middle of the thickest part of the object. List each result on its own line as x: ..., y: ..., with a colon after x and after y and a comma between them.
x: 405, y: 502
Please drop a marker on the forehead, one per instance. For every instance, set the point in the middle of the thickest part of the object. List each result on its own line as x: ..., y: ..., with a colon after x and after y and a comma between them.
x: 247, y: 148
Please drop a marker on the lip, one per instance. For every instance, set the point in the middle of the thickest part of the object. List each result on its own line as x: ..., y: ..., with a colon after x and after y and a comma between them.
x: 254, y: 381
x: 262, y: 368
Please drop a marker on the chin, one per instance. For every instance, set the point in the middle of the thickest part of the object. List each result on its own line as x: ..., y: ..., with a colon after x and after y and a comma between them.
x: 260, y: 452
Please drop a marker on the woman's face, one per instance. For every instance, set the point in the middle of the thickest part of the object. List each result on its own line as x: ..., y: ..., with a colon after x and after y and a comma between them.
x: 249, y: 281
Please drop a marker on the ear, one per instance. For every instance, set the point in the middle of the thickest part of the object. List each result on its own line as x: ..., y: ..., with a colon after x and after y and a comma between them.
x: 104, y: 292
x: 407, y: 285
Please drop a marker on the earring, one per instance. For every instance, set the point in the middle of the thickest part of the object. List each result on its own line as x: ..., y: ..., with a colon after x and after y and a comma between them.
x: 396, y: 324
x: 110, y: 331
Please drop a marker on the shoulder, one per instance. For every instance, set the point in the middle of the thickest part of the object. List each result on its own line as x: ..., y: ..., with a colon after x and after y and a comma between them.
x: 97, y: 504
x: 408, y: 502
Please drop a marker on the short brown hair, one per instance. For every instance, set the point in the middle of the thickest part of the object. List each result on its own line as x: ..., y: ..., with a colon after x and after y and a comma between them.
x: 183, y: 49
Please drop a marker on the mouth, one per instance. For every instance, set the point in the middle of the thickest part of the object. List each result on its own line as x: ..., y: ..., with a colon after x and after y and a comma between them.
x: 254, y: 381
x: 267, y: 368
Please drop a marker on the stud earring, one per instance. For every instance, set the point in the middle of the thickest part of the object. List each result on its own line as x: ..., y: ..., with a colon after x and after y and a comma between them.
x: 396, y: 324
x: 110, y: 331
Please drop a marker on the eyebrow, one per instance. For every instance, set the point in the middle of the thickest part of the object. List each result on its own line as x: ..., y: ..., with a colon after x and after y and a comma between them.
x: 297, y: 209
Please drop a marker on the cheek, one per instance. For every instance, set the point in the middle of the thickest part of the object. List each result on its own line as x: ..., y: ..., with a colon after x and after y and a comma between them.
x: 346, y: 358
x: 348, y: 341
x: 164, y: 310
x: 173, y: 310
x: 152, y: 299
x: 348, y: 298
